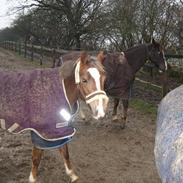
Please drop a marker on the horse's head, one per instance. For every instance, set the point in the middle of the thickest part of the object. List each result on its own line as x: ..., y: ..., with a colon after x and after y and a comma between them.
x: 90, y: 77
x: 156, y: 55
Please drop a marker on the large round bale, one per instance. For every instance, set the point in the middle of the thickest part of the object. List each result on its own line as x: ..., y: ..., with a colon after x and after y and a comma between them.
x: 169, y: 137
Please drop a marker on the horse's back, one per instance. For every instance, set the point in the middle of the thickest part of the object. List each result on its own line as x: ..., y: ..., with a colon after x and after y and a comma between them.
x: 169, y: 137
x: 119, y: 76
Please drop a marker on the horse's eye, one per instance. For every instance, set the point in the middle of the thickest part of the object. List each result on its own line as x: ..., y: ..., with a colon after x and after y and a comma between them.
x: 84, y: 81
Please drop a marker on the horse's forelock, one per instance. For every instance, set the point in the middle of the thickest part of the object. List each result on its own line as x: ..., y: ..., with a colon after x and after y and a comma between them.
x: 92, y: 62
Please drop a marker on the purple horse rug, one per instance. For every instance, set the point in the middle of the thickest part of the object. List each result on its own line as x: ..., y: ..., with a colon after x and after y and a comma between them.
x: 32, y: 100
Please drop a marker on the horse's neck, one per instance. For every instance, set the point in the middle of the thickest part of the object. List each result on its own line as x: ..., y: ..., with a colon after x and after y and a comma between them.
x: 137, y: 57
x: 71, y: 90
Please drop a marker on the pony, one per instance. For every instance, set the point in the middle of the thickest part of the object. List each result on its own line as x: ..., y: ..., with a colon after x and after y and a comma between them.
x: 168, y: 149
x: 121, y: 69
x: 44, y: 101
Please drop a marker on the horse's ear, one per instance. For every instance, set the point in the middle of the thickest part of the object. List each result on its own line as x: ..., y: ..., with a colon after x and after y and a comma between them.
x: 101, y: 57
x: 84, y: 57
x: 154, y: 43
x: 152, y: 40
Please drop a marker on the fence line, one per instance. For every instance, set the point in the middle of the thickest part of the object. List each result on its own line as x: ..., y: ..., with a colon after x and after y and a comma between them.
x: 33, y: 51
x: 37, y: 52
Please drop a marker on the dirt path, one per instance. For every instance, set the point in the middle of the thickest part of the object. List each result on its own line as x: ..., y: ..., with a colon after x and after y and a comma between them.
x: 100, y: 151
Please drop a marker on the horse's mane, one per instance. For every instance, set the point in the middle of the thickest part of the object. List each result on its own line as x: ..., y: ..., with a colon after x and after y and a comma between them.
x: 67, y: 68
x: 133, y: 48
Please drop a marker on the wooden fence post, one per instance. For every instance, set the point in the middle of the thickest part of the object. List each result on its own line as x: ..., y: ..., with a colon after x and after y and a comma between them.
x: 19, y: 48
x: 54, y: 58
x: 12, y: 45
x: 15, y: 46
x: 165, y: 83
x: 25, y: 48
x: 32, y: 52
x: 41, y: 58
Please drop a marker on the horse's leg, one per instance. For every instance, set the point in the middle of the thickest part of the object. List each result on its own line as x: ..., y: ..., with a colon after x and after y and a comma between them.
x: 68, y: 167
x: 36, y: 158
x: 114, y: 113
x: 125, y: 109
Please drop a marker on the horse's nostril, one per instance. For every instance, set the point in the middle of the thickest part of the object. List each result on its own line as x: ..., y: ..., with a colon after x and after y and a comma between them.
x: 100, y: 112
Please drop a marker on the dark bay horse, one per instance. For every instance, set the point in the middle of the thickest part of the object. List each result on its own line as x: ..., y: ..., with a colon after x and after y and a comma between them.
x: 83, y: 78
x: 121, y: 69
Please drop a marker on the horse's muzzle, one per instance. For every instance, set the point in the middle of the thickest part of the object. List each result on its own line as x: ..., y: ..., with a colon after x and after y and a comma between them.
x: 98, y: 102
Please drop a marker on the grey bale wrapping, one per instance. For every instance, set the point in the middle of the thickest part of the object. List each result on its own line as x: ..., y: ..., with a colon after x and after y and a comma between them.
x: 169, y: 137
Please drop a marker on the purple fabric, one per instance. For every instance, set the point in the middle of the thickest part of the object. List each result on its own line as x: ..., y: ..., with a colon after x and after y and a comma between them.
x: 33, y: 99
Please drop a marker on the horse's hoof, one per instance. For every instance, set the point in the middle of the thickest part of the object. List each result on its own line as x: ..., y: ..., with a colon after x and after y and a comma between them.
x: 76, y: 180
x: 122, y: 126
x: 115, y: 118
x: 31, y: 178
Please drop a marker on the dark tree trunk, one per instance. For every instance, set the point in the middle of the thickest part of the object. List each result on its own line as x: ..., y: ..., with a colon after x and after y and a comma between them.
x: 78, y: 42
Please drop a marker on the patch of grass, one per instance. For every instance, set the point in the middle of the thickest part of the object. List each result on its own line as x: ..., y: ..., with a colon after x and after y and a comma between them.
x: 175, y: 73
x: 35, y: 63
x: 143, y: 106
x: 149, y: 86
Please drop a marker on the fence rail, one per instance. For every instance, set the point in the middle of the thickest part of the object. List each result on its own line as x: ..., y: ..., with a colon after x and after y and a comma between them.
x: 34, y: 52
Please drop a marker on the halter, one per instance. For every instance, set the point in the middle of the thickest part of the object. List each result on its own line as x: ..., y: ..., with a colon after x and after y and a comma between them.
x: 92, y: 96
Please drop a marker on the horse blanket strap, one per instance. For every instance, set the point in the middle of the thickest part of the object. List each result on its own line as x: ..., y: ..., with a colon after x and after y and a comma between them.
x: 32, y: 100
x: 95, y: 95
x: 45, y: 144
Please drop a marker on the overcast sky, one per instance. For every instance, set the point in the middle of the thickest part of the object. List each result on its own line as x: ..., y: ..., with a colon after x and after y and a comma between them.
x: 6, y: 13
x: 5, y: 10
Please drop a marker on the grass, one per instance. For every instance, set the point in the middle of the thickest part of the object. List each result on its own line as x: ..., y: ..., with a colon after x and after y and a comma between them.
x: 35, y: 63
x: 175, y: 73
x: 143, y: 106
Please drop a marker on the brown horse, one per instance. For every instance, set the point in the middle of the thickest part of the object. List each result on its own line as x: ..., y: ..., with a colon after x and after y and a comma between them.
x: 121, y: 69
x: 82, y: 78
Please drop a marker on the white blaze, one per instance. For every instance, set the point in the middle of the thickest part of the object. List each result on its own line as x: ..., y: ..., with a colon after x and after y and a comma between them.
x: 96, y: 76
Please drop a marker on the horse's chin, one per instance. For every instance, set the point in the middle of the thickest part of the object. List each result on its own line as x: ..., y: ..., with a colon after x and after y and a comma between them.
x: 97, y: 117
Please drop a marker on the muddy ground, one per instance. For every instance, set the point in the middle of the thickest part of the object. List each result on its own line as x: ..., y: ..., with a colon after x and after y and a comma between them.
x: 100, y: 152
